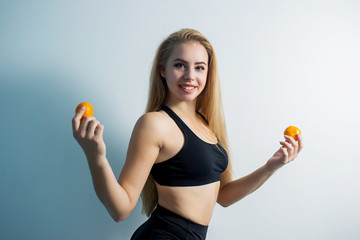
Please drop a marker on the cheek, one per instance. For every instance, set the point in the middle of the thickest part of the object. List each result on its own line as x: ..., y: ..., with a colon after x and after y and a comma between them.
x: 203, y: 80
x: 171, y: 80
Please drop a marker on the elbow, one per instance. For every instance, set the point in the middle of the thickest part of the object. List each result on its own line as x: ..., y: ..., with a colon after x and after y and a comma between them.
x: 119, y: 217
x: 116, y: 212
x: 226, y: 200
x: 224, y: 197
x: 224, y: 204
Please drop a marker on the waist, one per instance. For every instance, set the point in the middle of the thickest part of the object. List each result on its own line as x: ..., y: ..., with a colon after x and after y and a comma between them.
x: 194, y: 203
x: 191, y: 225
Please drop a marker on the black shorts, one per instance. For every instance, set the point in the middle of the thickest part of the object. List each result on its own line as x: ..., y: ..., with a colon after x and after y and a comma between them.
x: 165, y: 224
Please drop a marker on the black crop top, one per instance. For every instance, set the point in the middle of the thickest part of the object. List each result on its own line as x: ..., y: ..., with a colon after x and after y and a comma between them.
x: 197, y: 163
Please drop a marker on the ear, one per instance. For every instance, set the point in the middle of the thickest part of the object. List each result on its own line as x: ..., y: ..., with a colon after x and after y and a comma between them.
x: 162, y: 72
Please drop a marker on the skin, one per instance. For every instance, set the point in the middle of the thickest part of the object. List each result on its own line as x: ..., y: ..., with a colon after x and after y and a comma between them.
x: 187, y: 66
x: 156, y: 138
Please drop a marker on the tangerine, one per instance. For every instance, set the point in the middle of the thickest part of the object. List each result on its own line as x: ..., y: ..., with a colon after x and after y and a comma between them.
x: 89, y: 110
x: 292, y: 131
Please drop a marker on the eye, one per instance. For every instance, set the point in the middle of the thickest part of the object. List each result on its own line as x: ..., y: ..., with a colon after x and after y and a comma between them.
x: 179, y: 65
x: 200, y: 68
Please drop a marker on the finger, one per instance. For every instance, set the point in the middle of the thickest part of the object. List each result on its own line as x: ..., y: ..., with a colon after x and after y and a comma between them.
x: 301, y: 142
x: 93, y: 124
x: 289, y: 147
x: 99, y: 131
x: 76, y: 119
x: 293, y: 142
x: 285, y: 152
x: 84, y: 126
x: 290, y: 139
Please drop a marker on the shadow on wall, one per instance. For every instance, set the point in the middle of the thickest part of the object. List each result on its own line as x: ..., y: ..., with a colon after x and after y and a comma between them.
x: 46, y: 185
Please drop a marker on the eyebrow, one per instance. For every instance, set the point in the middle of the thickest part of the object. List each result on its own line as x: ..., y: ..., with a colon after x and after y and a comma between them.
x: 181, y: 60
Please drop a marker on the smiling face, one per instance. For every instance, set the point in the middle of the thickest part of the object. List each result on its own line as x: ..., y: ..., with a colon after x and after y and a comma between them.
x: 186, y: 71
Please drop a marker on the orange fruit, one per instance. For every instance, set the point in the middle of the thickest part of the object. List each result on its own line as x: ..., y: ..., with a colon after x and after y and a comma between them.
x: 89, y: 111
x: 292, y: 131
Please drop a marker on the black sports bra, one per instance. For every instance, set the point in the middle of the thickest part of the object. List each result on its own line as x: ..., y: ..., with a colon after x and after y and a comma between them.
x: 197, y: 163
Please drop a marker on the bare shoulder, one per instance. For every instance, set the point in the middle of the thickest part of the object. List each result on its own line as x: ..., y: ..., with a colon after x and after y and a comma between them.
x: 145, y: 144
x: 152, y: 120
x: 152, y: 124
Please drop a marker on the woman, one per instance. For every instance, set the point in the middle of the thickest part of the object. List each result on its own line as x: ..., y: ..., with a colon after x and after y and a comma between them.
x: 177, y: 158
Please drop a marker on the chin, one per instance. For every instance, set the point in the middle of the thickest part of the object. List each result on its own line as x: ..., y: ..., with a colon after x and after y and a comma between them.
x: 188, y: 98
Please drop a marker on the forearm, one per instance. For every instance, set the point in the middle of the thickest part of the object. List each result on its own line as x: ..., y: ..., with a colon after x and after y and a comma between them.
x: 238, y: 189
x: 110, y: 193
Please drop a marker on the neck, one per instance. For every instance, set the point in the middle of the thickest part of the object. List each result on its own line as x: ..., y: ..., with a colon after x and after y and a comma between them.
x: 185, y: 109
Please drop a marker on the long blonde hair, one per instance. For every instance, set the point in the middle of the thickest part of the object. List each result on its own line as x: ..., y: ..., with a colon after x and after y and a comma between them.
x: 208, y: 104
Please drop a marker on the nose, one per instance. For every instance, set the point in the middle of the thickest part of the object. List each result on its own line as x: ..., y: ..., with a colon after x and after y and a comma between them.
x: 190, y: 74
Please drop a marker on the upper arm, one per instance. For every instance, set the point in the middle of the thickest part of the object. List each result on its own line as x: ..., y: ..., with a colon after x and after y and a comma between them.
x: 143, y: 150
x: 227, y: 175
x: 225, y: 178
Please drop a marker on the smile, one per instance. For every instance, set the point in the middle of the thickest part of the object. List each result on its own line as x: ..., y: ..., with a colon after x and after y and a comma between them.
x: 188, y: 88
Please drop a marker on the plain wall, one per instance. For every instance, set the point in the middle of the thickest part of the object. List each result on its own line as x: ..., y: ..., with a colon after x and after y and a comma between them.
x: 281, y: 63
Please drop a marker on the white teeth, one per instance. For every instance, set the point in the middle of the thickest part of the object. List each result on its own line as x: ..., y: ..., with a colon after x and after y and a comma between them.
x: 188, y: 88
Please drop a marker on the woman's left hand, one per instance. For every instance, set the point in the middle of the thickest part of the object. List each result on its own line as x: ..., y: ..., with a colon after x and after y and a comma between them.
x: 288, y: 151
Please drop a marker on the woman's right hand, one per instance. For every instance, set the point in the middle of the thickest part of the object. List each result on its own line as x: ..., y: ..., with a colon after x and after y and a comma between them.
x: 89, y: 134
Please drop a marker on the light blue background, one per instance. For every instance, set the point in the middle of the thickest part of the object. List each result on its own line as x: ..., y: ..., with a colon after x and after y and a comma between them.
x: 281, y: 63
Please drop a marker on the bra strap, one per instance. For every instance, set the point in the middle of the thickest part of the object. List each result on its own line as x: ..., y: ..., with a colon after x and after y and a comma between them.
x: 175, y: 117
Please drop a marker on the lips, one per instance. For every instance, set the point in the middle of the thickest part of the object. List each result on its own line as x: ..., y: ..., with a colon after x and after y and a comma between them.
x: 187, y: 86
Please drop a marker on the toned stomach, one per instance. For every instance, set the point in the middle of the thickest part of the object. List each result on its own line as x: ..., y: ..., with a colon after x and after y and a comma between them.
x: 194, y: 203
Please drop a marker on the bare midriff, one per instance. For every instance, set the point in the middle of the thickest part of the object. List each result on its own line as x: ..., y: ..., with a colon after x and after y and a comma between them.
x: 195, y: 203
